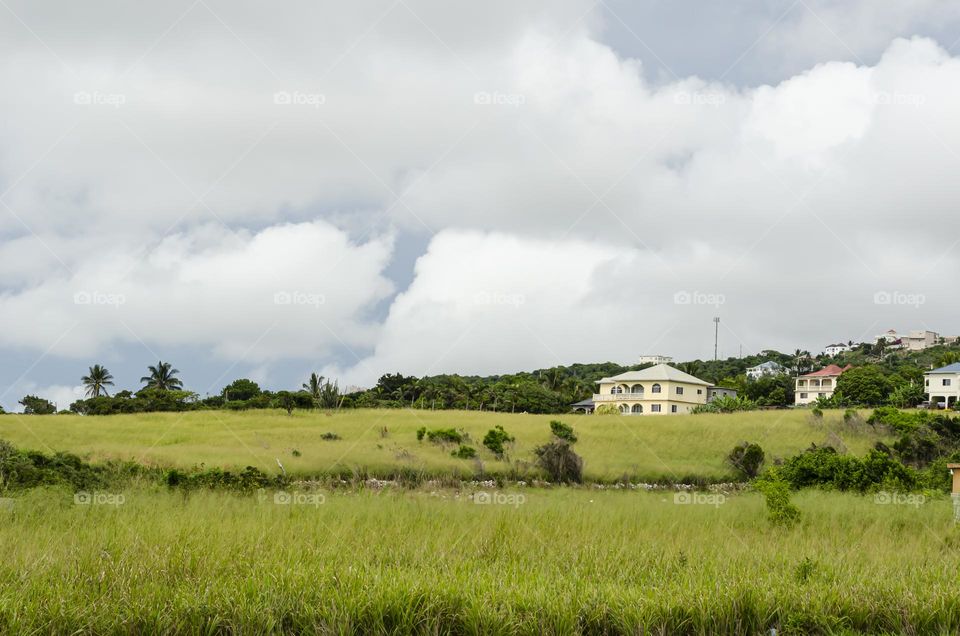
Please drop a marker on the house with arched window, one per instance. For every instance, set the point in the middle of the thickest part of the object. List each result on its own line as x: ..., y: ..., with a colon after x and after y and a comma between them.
x: 657, y: 390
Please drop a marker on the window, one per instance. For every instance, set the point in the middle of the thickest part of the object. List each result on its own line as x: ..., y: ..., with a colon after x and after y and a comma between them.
x: 679, y: 390
x: 814, y: 382
x: 673, y: 408
x: 821, y: 394
x: 624, y: 408
x: 826, y: 383
x: 926, y: 382
x: 946, y: 382
x: 801, y: 383
x: 615, y: 390
x: 637, y: 408
x: 699, y: 391
x: 655, y: 388
x: 654, y: 408
x: 803, y: 396
x: 637, y: 388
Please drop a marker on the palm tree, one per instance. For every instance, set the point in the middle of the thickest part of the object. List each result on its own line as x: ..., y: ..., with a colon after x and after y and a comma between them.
x: 314, y: 387
x: 96, y: 381
x: 162, y: 377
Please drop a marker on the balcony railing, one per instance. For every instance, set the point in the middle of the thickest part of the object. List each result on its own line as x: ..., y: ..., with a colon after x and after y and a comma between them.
x: 616, y: 397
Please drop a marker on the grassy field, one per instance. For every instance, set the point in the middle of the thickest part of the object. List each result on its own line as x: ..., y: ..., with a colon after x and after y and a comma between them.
x: 613, y: 447
x: 541, y: 561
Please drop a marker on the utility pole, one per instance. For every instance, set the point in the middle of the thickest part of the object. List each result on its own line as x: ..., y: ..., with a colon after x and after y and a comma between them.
x: 716, y: 335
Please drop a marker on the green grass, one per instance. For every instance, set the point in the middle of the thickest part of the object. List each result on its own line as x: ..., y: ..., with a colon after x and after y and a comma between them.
x: 564, y: 561
x: 613, y: 447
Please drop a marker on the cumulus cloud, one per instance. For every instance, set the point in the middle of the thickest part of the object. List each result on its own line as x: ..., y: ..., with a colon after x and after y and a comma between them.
x: 296, y: 290
x: 234, y: 183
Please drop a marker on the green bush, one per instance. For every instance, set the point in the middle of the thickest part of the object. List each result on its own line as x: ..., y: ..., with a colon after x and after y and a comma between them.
x: 495, y: 439
x: 562, y: 431
x: 445, y: 435
x: 747, y: 458
x: 776, y: 493
x: 421, y: 433
x: 465, y: 452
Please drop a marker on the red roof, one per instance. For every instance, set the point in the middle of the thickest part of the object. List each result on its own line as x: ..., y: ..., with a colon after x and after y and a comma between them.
x: 831, y: 369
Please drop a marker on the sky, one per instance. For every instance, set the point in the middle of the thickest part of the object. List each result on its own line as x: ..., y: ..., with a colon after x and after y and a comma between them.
x: 425, y: 186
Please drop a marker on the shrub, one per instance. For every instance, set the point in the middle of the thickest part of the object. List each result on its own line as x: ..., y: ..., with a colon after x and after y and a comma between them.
x: 823, y: 466
x: 562, y: 431
x: 465, y: 452
x: 746, y: 458
x: 495, y: 439
x: 421, y: 433
x: 330, y: 436
x: 726, y: 404
x: 445, y: 435
x: 817, y: 412
x: 560, y: 462
x: 606, y: 409
x: 776, y: 493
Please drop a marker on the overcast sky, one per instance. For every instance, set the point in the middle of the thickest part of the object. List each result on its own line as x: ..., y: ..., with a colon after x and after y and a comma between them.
x: 261, y: 190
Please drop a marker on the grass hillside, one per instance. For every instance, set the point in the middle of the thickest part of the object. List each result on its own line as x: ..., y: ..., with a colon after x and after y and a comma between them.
x: 648, y: 448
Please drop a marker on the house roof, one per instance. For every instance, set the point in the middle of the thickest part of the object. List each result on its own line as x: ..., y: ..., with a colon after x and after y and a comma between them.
x: 587, y: 402
x: 830, y: 369
x: 769, y: 364
x: 836, y: 345
x: 950, y: 368
x: 658, y: 372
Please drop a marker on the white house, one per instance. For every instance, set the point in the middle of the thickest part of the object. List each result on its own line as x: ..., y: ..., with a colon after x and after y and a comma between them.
x: 656, y: 390
x: 942, y: 385
x: 818, y: 384
x: 916, y: 340
x: 834, y: 349
x: 766, y: 368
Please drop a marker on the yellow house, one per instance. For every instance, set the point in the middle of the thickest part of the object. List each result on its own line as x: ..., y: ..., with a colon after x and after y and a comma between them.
x: 657, y: 390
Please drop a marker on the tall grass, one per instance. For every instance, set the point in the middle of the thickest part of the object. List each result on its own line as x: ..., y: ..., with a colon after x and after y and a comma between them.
x: 675, y: 448
x: 560, y: 561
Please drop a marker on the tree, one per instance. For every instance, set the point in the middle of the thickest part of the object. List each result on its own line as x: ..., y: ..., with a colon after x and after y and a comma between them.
x: 314, y: 386
x: 285, y: 400
x: 163, y: 377
x: 33, y: 405
x: 329, y: 395
x: 96, y: 381
x: 241, y: 389
x: 864, y: 386
x: 906, y: 395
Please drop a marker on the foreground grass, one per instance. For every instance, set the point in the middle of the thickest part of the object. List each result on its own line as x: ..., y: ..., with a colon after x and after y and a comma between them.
x: 552, y: 562
x: 613, y: 447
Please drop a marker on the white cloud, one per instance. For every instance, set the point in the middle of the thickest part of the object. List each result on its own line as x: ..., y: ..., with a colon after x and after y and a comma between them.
x: 550, y: 168
x: 298, y: 290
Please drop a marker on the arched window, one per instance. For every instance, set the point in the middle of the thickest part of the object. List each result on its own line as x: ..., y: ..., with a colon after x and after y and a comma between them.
x: 637, y: 388
x: 655, y: 388
x: 616, y: 390
x: 624, y: 408
x: 637, y: 408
